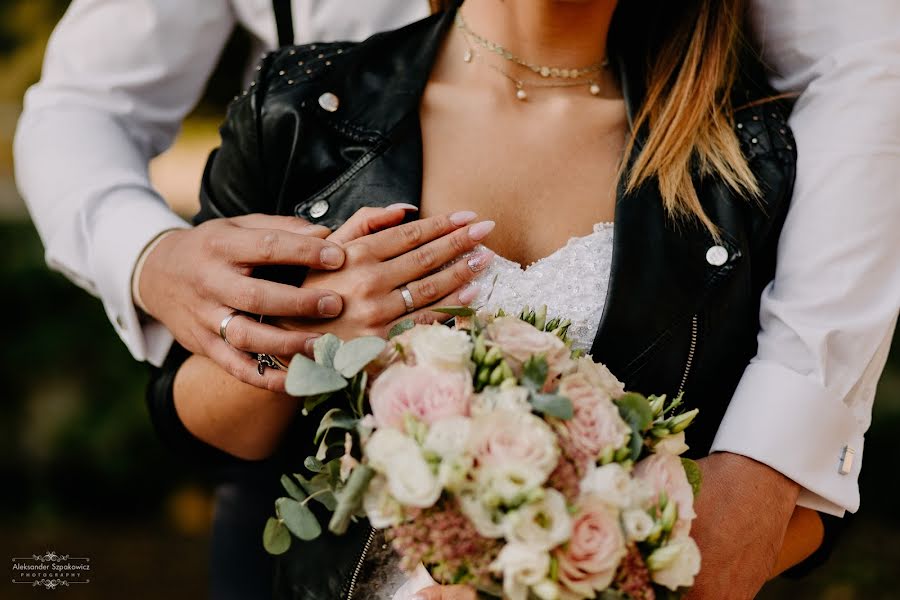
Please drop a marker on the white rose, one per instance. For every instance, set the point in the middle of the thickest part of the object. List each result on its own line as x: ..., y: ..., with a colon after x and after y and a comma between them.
x: 522, y: 566
x: 513, y: 398
x: 543, y: 524
x: 676, y: 564
x: 441, y: 347
x: 448, y: 437
x: 610, y: 483
x: 637, y: 524
x: 409, y: 477
x: 381, y: 510
x: 671, y: 444
x: 486, y: 522
x: 600, y: 377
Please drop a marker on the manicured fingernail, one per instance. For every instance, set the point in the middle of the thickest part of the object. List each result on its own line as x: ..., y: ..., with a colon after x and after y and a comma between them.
x: 463, y: 217
x: 480, y: 261
x: 402, y: 205
x: 469, y: 293
x: 329, y: 306
x: 332, y: 257
x: 479, y: 231
x: 309, y: 346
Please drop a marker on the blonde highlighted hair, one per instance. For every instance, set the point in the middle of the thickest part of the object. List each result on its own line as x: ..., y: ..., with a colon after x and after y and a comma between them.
x: 689, y: 54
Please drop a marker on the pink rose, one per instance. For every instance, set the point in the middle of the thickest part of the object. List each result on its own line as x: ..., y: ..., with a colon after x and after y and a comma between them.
x: 427, y: 394
x: 519, y: 341
x: 506, y: 439
x: 588, y: 563
x: 596, y: 424
x: 664, y: 473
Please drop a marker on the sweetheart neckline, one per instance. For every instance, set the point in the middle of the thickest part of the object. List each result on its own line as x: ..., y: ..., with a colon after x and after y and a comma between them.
x: 598, y: 228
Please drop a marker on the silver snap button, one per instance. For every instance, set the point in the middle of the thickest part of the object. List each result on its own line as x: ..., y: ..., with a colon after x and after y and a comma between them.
x: 717, y: 256
x: 329, y: 101
x: 318, y: 209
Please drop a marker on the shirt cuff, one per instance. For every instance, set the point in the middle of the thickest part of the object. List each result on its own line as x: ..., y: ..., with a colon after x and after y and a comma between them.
x: 797, y: 427
x: 121, y: 231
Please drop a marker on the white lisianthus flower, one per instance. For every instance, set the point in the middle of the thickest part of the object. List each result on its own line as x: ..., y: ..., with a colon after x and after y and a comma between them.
x: 509, y: 484
x: 546, y: 590
x: 671, y: 444
x: 448, y: 437
x: 441, y: 347
x: 600, y: 377
x: 543, y: 524
x: 453, y: 472
x: 410, y: 479
x: 676, y: 564
x: 637, y: 524
x: 522, y: 566
x: 487, y: 523
x: 610, y: 483
x: 381, y: 510
x: 513, y: 398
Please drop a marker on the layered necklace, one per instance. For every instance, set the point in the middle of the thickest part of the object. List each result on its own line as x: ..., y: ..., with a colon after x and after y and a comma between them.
x: 551, y: 77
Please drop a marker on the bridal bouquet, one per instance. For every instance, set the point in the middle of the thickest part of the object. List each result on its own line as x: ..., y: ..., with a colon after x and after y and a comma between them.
x: 496, y: 457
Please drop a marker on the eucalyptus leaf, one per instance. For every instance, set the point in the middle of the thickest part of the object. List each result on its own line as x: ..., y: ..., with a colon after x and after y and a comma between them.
x: 313, y: 484
x: 456, y: 311
x: 552, y: 405
x: 298, y: 518
x: 308, y: 378
x: 324, y: 349
x: 292, y: 488
x: 349, y: 500
x: 313, y: 464
x: 327, y: 499
x: 534, y: 373
x: 276, y: 537
x: 404, y: 325
x: 310, y: 403
x: 694, y: 474
x: 335, y: 418
x: 635, y: 410
x: 353, y: 356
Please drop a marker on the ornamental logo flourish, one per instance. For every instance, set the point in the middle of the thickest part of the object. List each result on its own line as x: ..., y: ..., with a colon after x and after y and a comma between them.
x: 51, y: 570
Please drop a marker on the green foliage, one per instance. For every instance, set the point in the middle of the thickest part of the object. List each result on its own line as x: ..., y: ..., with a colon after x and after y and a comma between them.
x: 534, y: 373
x: 308, y: 378
x: 325, y: 348
x: 404, y: 325
x: 276, y: 537
x: 335, y: 418
x: 552, y: 405
x: 636, y: 412
x: 353, y: 356
x: 349, y: 499
x: 694, y: 474
x: 292, y: 488
x: 456, y: 311
x: 298, y: 518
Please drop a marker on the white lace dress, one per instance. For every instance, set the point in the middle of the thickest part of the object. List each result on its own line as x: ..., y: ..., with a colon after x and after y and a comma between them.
x: 572, y: 282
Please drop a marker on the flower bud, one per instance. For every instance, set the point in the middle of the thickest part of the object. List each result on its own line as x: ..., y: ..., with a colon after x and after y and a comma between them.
x: 493, y: 356
x: 540, y: 318
x: 669, y: 516
x: 681, y: 422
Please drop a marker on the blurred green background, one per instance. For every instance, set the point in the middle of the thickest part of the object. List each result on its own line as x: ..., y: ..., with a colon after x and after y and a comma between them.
x: 80, y: 469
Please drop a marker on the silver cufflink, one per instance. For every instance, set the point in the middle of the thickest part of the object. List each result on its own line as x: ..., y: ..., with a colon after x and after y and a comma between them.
x: 717, y: 256
x: 847, y: 455
x: 329, y: 101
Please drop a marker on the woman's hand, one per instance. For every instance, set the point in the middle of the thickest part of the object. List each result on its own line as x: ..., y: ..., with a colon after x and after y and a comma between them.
x: 446, y: 592
x: 383, y: 256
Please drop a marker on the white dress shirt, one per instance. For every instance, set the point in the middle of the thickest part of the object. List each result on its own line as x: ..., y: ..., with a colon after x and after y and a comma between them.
x: 119, y: 77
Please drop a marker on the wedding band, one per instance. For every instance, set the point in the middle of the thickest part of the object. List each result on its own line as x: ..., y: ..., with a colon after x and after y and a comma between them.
x: 407, y: 299
x: 223, y: 326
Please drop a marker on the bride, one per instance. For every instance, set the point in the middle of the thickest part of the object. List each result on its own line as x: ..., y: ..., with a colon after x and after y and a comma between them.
x: 630, y: 154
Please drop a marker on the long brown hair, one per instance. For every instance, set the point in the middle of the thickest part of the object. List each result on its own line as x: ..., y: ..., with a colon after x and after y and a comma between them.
x: 688, y: 53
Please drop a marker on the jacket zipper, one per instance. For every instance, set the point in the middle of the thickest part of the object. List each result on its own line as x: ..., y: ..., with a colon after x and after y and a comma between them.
x: 359, y: 564
x: 695, y: 327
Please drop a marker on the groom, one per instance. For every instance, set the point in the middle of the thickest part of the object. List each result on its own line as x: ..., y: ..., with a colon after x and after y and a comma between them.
x: 96, y: 118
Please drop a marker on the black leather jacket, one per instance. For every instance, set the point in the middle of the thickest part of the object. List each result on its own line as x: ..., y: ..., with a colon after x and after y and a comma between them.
x: 328, y: 128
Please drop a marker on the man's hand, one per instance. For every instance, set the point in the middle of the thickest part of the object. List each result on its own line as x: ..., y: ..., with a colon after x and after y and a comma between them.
x: 446, y: 592
x: 194, y: 278
x: 742, y: 514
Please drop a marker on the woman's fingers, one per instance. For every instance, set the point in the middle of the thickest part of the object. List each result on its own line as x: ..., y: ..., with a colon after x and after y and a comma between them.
x: 425, y: 259
x: 368, y: 220
x: 399, y: 240
x: 446, y: 592
x: 464, y: 296
x: 428, y: 290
